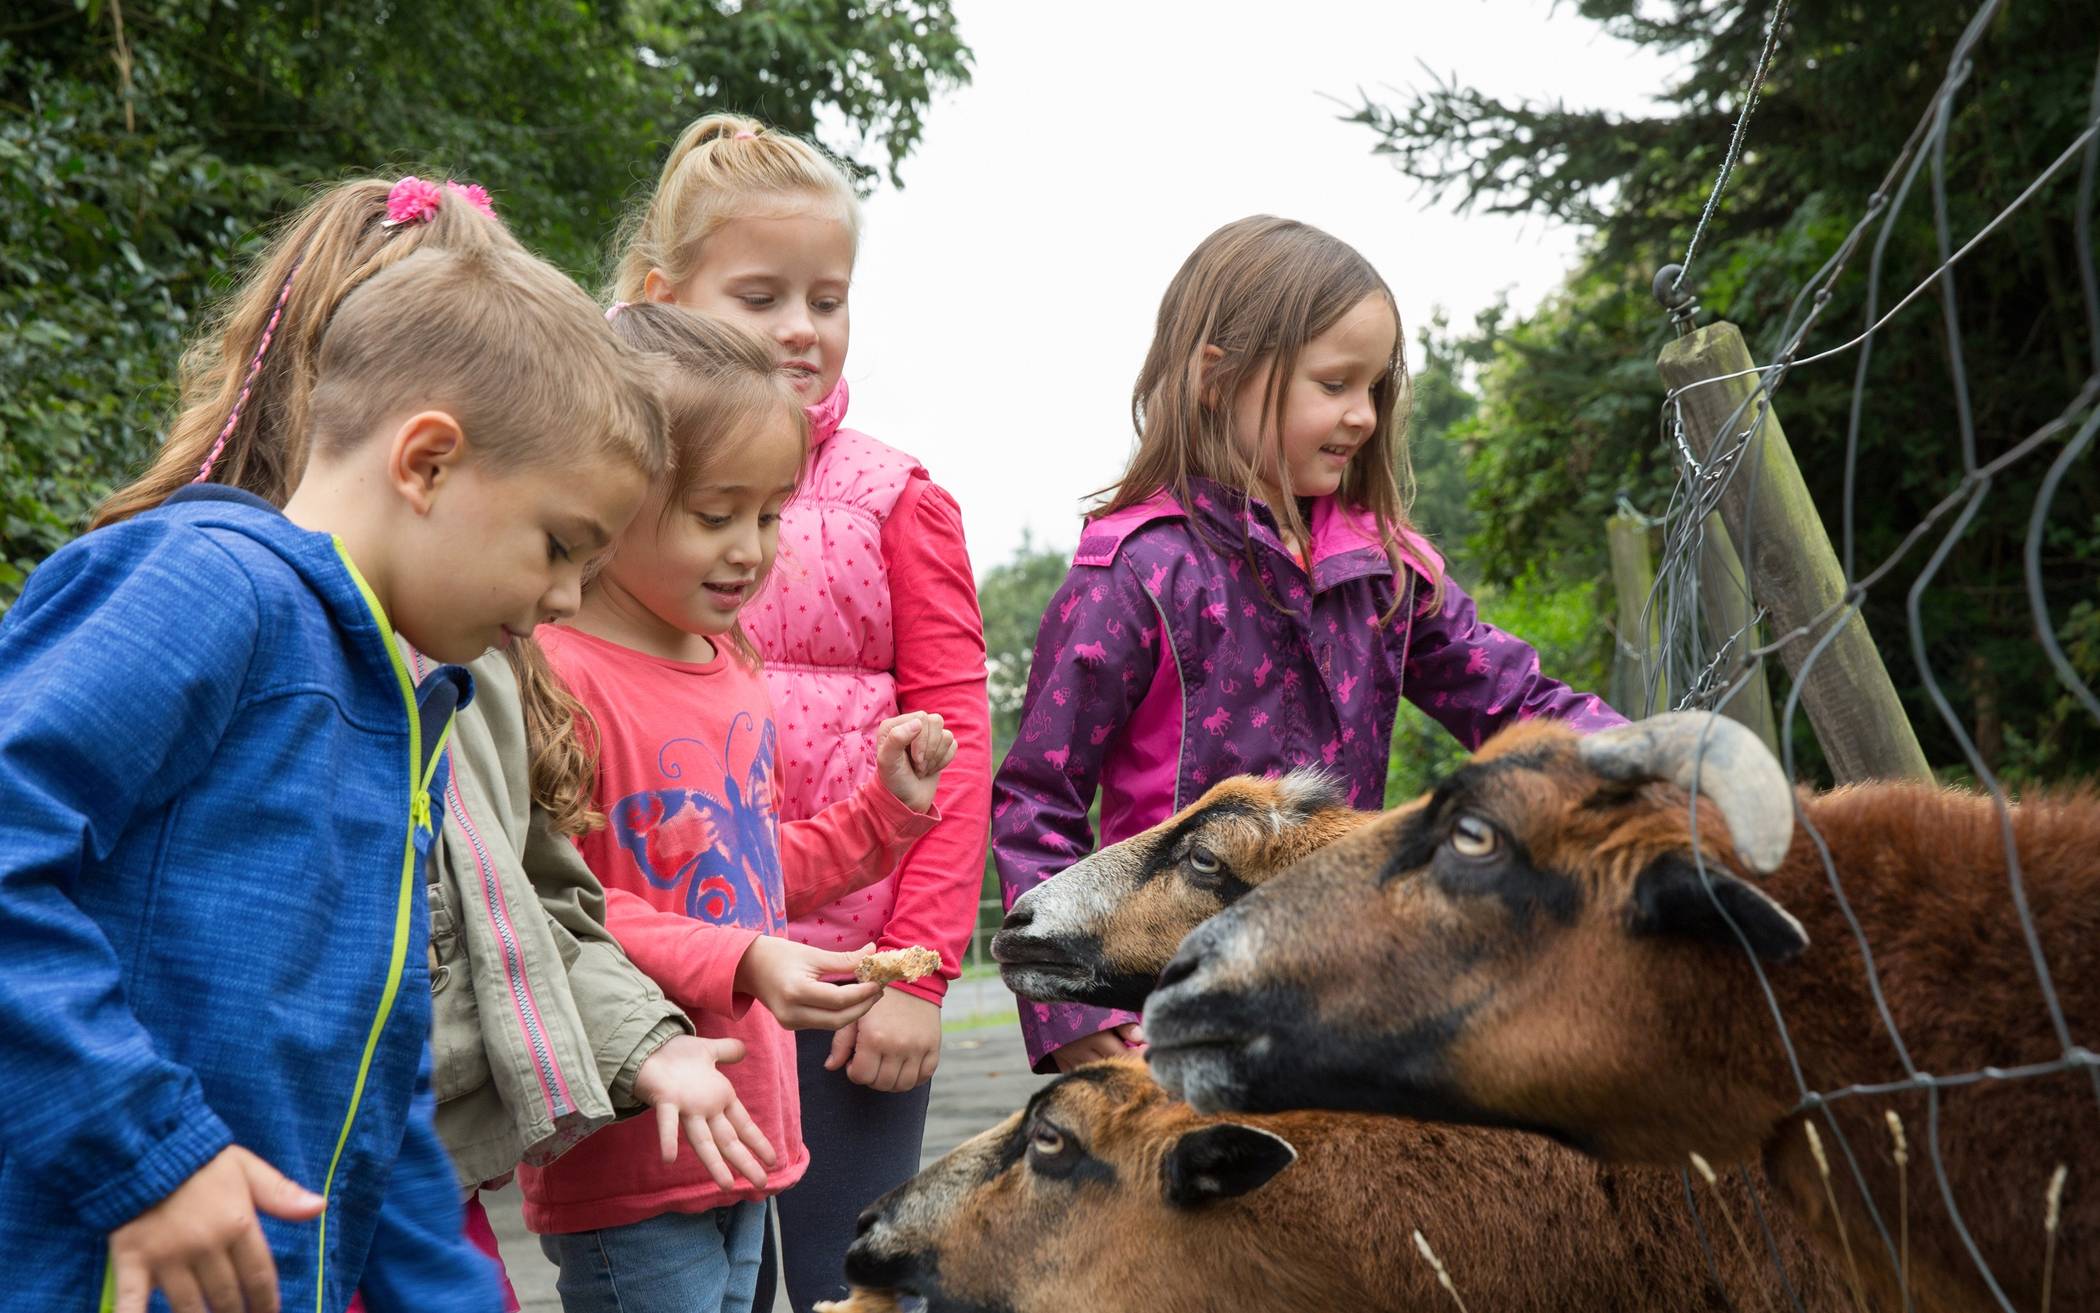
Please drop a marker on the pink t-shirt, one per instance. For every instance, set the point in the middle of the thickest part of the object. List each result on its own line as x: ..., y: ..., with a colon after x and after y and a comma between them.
x: 696, y: 865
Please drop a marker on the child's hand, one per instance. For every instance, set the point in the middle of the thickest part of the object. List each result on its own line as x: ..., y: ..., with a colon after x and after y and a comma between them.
x: 911, y: 751
x: 1111, y: 1043
x: 788, y: 978
x: 683, y: 1082
x: 894, y: 1048
x: 202, y: 1246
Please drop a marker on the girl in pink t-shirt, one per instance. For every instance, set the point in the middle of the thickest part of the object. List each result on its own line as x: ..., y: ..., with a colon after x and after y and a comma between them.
x: 701, y: 877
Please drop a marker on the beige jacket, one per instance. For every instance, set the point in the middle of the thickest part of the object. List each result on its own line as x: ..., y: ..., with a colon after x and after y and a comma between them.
x: 539, y: 1021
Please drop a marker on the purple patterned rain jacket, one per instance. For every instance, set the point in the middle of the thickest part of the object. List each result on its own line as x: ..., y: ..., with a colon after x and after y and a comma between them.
x: 1161, y: 668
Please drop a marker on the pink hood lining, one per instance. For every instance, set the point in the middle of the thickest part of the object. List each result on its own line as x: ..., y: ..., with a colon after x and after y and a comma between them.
x: 1336, y: 529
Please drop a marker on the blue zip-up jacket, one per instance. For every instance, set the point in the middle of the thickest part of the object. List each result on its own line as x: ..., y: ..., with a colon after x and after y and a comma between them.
x: 214, y: 782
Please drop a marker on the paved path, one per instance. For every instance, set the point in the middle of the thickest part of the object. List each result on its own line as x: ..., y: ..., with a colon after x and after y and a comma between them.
x: 984, y: 1077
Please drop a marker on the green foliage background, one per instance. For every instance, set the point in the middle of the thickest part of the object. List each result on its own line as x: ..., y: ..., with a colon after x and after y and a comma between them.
x: 1569, y: 397
x: 146, y: 146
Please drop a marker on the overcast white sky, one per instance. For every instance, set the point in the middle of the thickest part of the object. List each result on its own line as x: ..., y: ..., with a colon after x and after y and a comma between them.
x: 1004, y: 298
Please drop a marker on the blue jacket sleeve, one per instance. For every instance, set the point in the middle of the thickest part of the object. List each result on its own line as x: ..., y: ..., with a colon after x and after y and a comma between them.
x: 421, y: 1260
x: 1089, y: 672
x: 120, y: 667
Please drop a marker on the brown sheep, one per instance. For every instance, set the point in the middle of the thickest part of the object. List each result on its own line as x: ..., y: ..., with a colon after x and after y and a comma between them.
x: 1105, y: 1195
x: 1103, y: 929
x: 1535, y: 945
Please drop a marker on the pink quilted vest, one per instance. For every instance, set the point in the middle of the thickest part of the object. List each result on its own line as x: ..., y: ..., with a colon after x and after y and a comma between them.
x: 822, y: 623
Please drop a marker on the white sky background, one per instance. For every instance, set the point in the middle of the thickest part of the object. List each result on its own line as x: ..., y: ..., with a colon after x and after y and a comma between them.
x: 1004, y: 298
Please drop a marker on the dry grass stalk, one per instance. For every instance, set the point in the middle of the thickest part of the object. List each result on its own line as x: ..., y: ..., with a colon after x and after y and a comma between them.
x: 1443, y: 1278
x: 1837, y: 1219
x: 1902, y: 1201
x: 2049, y: 1223
x: 1742, y: 1244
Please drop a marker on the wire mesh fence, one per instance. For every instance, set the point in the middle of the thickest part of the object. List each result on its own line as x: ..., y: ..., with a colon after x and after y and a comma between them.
x: 1701, y: 664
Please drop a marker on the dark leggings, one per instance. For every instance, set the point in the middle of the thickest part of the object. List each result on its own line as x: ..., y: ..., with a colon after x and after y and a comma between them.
x: 862, y: 1145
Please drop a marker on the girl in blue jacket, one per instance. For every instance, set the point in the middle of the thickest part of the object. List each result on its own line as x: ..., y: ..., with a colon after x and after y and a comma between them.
x: 215, y: 778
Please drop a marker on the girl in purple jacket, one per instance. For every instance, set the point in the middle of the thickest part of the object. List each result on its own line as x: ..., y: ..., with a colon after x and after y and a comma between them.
x: 1250, y: 599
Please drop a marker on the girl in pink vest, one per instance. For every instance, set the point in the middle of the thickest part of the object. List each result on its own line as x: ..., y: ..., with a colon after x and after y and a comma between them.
x: 756, y: 226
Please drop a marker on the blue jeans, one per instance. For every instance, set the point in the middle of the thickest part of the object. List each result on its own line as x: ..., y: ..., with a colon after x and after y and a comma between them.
x: 672, y: 1263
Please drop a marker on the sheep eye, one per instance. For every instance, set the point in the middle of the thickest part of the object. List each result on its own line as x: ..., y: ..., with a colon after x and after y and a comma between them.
x: 1047, y: 1140
x: 1203, y: 861
x: 1473, y: 837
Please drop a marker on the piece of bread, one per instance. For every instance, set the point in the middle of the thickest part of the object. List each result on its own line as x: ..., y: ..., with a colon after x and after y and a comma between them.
x: 898, y: 964
x: 861, y: 1301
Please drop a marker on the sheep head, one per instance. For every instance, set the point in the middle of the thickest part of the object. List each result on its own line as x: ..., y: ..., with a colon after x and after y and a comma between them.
x: 1536, y: 944
x: 1101, y: 930
x: 1050, y: 1209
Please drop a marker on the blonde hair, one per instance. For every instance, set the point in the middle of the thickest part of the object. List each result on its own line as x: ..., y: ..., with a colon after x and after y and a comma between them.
x: 343, y: 319
x: 722, y: 167
x: 1258, y: 290
x: 721, y: 392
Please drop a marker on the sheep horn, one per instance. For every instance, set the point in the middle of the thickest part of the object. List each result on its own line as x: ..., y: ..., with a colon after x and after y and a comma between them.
x: 1731, y: 764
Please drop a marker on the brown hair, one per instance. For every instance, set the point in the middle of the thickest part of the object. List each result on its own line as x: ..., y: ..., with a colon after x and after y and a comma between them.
x: 721, y: 391
x: 359, y: 314
x: 1258, y: 290
x: 722, y: 167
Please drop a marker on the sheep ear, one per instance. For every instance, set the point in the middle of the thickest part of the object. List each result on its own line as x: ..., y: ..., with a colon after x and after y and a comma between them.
x: 1222, y: 1162
x: 1671, y: 898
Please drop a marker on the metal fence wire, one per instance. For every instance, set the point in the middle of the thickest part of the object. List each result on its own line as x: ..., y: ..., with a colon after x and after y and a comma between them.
x: 1705, y: 669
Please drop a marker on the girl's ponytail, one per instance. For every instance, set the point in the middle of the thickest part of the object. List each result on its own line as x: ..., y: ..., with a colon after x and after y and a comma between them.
x: 241, y: 417
x: 722, y: 166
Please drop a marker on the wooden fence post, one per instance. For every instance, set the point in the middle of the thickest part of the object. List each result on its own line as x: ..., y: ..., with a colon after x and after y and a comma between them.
x: 1636, y: 669
x: 1724, y: 600
x: 1793, y: 573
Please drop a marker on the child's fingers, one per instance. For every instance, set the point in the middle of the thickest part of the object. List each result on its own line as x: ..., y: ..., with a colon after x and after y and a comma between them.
x: 278, y: 1195
x: 823, y: 996
x: 726, y: 1051
x: 256, y: 1270
x: 667, y: 1131
x: 747, y: 1131
x: 897, y: 734
x: 703, y: 1142
x: 133, y: 1286
x: 181, y: 1290
x: 838, y: 964
x: 925, y: 747
x: 889, y: 1073
x: 841, y: 1047
x: 216, y: 1282
x: 733, y: 1151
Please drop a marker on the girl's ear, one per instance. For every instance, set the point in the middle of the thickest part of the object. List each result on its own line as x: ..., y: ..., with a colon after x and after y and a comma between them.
x: 656, y: 287
x: 1207, y: 358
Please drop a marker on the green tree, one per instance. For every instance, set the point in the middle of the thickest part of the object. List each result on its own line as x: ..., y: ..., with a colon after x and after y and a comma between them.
x: 145, y: 146
x: 1013, y: 596
x: 1558, y: 617
x: 1568, y: 417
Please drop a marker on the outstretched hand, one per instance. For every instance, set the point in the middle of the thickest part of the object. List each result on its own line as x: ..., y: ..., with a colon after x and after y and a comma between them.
x: 684, y: 1083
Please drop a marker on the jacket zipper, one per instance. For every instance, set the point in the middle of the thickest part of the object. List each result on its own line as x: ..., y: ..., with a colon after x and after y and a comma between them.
x: 418, y: 815
x: 552, y: 1084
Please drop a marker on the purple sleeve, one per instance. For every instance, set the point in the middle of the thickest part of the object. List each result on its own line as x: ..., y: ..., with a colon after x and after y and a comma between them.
x: 1095, y: 657
x: 1475, y: 679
